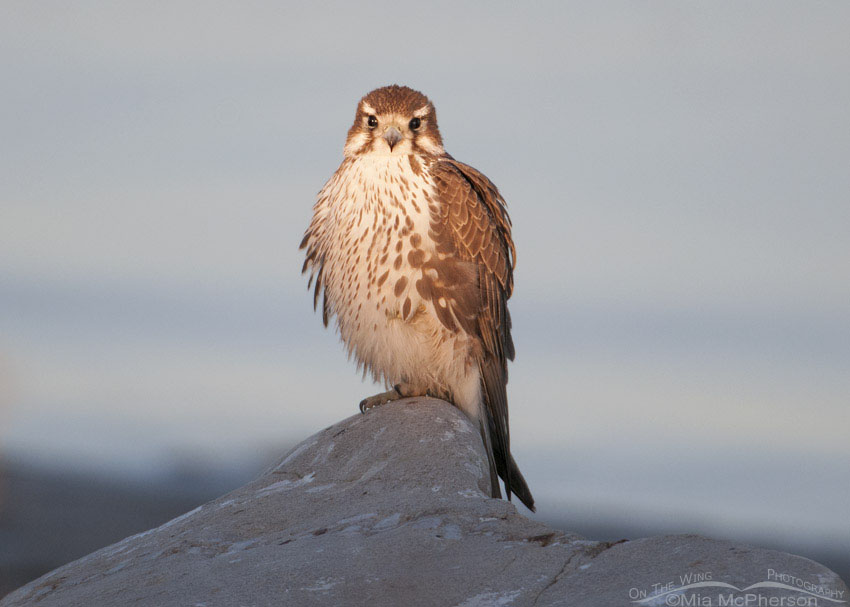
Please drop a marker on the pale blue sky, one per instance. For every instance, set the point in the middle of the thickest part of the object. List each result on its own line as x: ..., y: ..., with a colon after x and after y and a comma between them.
x: 678, y: 175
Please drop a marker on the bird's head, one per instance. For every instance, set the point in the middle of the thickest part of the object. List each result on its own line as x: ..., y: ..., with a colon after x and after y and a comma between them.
x: 394, y: 120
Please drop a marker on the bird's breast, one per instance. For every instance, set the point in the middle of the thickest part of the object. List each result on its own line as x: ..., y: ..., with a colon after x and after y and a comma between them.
x: 379, y: 238
x: 392, y: 292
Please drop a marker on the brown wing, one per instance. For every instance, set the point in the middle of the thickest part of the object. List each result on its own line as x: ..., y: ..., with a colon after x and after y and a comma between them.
x: 471, y: 223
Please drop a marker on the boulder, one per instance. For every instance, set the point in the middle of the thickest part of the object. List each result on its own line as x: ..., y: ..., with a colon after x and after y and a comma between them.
x: 392, y: 508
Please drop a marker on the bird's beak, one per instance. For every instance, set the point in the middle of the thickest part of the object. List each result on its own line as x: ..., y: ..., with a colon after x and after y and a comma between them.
x: 392, y: 136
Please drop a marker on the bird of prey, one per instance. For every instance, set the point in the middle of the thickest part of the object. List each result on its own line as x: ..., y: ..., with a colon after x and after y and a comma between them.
x: 411, y: 251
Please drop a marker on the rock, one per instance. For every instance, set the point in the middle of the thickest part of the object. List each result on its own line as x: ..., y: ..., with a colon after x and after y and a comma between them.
x: 391, y: 508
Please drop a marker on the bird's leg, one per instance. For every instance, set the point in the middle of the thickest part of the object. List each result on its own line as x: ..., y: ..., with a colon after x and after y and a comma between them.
x: 403, y: 390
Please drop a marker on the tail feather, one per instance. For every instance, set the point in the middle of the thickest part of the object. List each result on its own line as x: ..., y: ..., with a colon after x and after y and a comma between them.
x: 495, y: 490
x: 519, y: 486
x: 494, y: 395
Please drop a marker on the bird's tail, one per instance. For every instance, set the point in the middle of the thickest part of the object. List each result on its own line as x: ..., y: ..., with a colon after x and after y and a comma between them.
x: 497, y: 441
x: 518, y: 485
x: 495, y: 488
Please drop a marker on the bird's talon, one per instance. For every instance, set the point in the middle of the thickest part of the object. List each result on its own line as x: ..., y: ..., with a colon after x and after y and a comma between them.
x: 379, y: 399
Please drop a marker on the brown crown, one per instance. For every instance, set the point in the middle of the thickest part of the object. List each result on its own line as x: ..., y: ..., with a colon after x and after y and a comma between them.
x: 396, y: 99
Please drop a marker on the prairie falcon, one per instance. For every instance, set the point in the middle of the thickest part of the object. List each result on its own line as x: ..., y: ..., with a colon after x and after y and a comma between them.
x: 411, y: 251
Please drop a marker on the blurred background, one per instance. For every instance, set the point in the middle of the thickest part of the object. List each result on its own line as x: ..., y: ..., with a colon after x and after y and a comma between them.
x: 679, y: 179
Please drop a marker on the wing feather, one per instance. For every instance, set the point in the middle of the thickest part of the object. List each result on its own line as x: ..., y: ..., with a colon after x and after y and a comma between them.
x: 314, y: 261
x: 472, y: 222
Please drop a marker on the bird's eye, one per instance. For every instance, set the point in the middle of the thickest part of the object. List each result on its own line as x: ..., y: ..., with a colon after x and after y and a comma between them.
x: 372, y: 122
x: 415, y: 124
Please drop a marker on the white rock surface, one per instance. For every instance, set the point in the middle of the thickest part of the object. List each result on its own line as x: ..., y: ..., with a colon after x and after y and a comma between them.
x: 391, y: 508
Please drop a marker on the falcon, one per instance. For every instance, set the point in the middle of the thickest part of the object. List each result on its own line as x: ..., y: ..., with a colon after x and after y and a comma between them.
x: 411, y: 252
